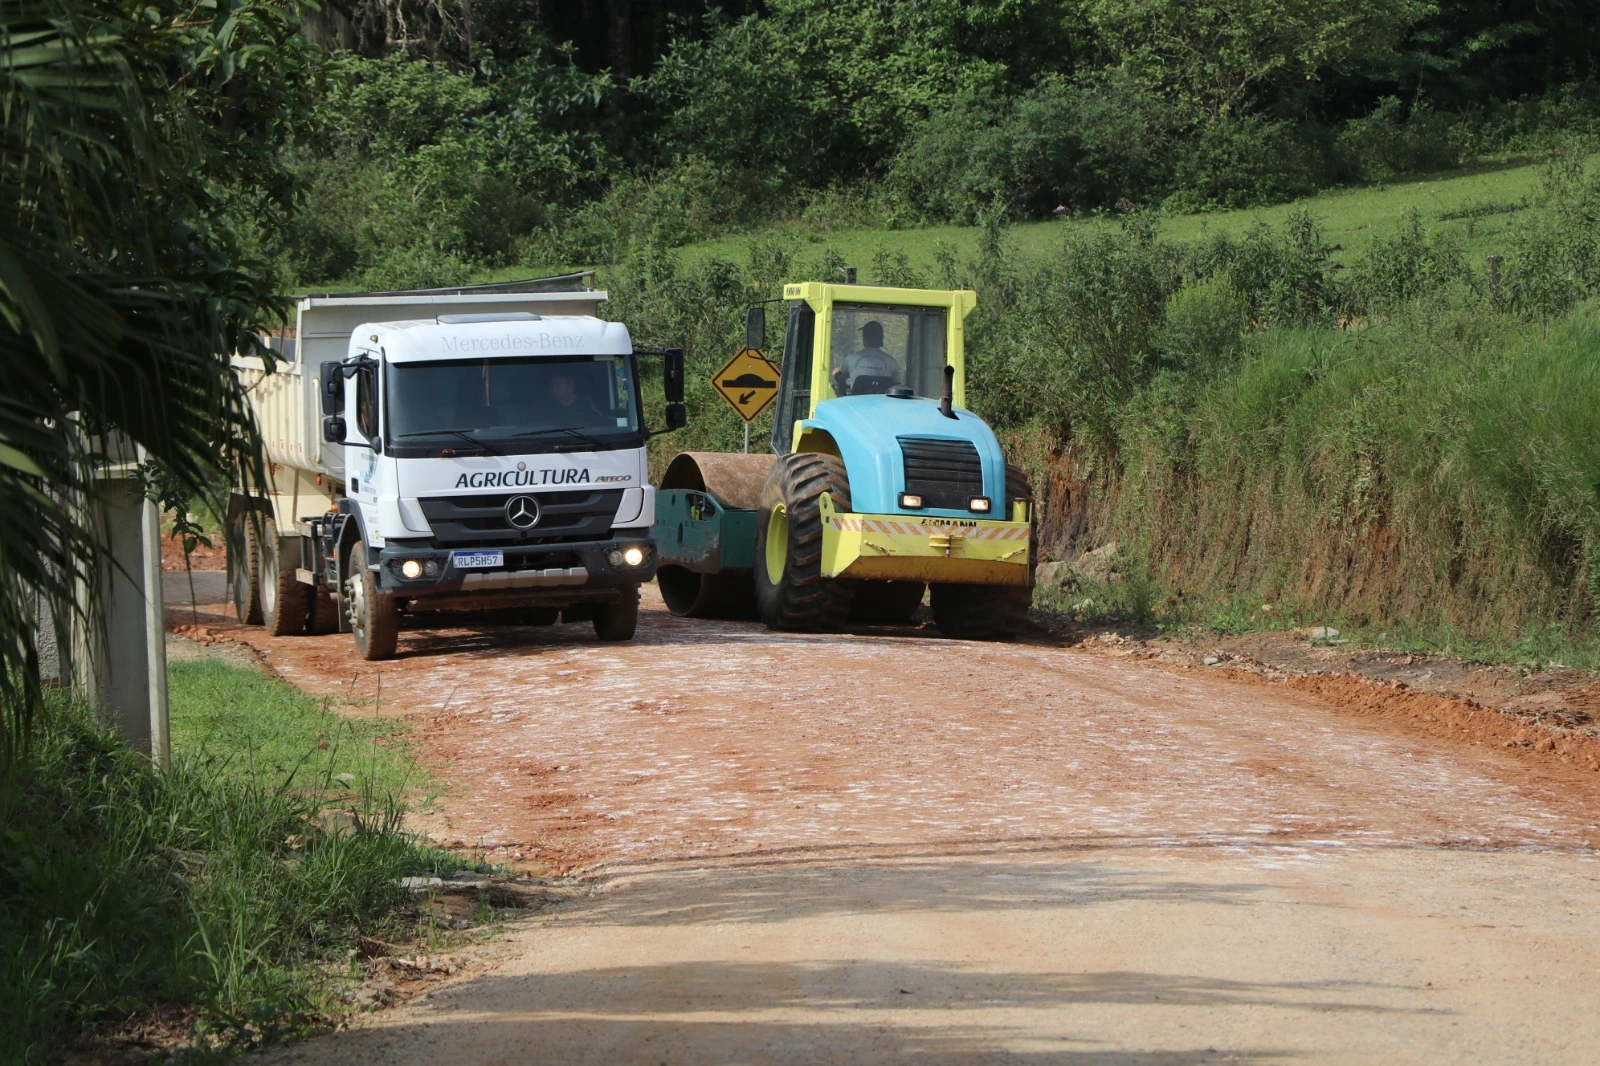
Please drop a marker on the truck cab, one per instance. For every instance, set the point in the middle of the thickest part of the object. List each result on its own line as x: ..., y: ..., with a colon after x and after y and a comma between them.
x: 481, y: 458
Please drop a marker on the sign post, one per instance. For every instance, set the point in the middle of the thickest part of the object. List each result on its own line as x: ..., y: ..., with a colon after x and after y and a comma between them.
x: 749, y: 382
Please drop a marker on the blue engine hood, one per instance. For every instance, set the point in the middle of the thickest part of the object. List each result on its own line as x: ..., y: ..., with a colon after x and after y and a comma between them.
x: 865, y: 428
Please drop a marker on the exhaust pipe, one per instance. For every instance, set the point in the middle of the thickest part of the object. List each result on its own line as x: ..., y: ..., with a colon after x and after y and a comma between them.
x: 947, y: 397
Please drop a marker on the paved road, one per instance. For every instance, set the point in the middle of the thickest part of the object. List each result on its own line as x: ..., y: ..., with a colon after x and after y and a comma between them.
x: 889, y: 847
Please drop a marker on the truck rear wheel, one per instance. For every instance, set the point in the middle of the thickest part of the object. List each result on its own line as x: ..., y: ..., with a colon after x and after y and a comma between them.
x: 791, y: 591
x: 283, y: 598
x: 988, y: 612
x: 374, y: 617
x: 887, y: 602
x: 244, y: 570
x: 618, y: 621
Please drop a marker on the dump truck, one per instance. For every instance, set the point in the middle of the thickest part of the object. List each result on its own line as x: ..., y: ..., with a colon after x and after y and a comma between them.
x: 880, y: 489
x: 468, y: 449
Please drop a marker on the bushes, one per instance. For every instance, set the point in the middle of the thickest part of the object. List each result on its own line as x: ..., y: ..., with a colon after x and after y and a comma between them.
x: 1415, y: 472
x: 420, y: 174
x: 209, y: 888
x: 1087, y: 146
x: 1104, y: 141
x: 1389, y: 142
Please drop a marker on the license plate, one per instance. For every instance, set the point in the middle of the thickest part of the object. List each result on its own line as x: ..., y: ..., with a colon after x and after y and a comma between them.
x: 477, y: 560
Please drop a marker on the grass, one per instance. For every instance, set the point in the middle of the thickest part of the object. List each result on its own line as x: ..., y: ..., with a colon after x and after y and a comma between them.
x: 1427, y: 481
x: 1477, y: 206
x: 221, y: 892
x: 255, y: 729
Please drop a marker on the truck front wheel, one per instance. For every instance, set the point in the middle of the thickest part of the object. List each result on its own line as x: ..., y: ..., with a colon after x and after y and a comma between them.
x: 618, y: 621
x: 374, y: 617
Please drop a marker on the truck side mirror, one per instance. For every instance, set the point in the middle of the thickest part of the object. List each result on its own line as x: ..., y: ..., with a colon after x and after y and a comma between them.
x: 672, y: 374
x: 332, y: 387
x: 333, y: 429
x: 755, y: 327
x: 677, y: 417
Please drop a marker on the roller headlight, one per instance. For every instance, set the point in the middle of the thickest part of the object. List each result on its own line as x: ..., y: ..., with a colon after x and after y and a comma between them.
x: 980, y: 504
x: 911, y: 501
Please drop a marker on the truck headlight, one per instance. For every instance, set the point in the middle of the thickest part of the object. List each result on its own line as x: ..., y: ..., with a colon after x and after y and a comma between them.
x: 411, y: 569
x: 633, y: 556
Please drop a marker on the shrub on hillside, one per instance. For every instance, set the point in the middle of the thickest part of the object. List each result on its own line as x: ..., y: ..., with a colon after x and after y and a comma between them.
x: 1553, y: 261
x: 1408, y: 266
x: 1086, y: 145
x: 1392, y: 141
x: 1236, y: 161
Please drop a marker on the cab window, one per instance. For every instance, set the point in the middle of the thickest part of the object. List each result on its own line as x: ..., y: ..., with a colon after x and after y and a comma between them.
x: 367, y: 402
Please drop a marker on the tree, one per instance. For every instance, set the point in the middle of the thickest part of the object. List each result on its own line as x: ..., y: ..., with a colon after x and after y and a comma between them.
x: 138, y: 171
x: 1216, y: 55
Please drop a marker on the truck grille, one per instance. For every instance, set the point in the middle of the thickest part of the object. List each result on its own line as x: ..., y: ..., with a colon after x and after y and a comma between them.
x: 564, y: 517
x: 945, y: 473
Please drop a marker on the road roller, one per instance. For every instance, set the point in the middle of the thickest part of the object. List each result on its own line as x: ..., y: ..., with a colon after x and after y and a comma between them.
x: 881, y: 490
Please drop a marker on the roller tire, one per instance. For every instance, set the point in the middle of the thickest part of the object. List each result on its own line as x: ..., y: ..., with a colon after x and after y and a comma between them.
x: 619, y: 620
x: 283, y: 599
x: 374, y: 617
x: 800, y: 597
x: 886, y: 602
x: 988, y: 612
x: 244, y: 570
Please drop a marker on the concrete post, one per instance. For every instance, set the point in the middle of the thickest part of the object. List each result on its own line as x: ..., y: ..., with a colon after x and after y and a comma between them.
x: 121, y: 665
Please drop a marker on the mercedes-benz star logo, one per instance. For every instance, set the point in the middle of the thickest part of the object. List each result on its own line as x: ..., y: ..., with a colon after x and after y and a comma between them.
x: 522, y: 512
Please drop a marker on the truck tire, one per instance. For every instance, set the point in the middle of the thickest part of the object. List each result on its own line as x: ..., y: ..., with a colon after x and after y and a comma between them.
x: 886, y: 602
x: 283, y: 598
x: 791, y: 591
x: 374, y: 617
x: 618, y: 621
x: 988, y: 612
x: 244, y: 570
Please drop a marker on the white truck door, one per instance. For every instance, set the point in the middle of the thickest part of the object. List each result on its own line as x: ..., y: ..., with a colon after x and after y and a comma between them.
x: 362, y: 433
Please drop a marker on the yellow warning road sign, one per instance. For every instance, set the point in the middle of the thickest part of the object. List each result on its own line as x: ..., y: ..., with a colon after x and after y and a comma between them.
x: 749, y: 383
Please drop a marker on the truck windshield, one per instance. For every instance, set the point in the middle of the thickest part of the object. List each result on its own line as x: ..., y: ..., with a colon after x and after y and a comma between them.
x: 577, y: 402
x: 878, y: 346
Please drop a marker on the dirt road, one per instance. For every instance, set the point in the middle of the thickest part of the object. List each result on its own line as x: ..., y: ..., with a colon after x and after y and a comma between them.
x: 890, y: 847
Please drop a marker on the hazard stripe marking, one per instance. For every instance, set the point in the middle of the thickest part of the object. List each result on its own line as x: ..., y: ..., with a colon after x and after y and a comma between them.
x: 850, y: 524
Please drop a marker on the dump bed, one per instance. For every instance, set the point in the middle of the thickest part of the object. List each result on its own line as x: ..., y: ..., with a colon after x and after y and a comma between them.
x: 286, y: 401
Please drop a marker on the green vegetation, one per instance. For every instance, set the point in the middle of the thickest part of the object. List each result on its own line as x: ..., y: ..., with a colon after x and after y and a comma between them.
x: 259, y: 730
x: 1378, y: 437
x: 225, y: 892
x: 1475, y: 208
x: 142, y: 176
x: 484, y: 142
